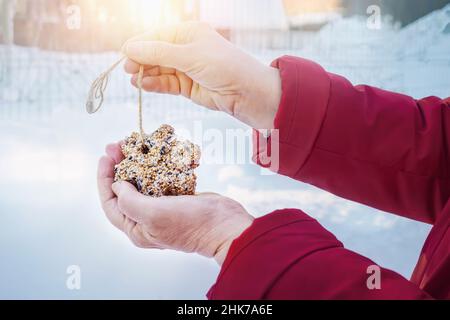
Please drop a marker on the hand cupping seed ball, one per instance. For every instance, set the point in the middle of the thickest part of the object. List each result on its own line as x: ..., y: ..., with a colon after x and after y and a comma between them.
x: 160, y: 165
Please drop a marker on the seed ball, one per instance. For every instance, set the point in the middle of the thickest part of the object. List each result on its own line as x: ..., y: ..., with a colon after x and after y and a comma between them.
x: 159, y: 164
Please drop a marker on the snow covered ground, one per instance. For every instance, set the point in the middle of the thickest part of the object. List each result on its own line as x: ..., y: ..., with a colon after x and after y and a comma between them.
x: 51, y: 217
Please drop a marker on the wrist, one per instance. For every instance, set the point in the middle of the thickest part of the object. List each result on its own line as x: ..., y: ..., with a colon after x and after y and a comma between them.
x: 222, y: 253
x: 259, y: 103
x: 233, y: 232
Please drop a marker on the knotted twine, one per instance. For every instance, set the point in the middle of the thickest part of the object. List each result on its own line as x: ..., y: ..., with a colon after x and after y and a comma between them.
x: 97, y: 92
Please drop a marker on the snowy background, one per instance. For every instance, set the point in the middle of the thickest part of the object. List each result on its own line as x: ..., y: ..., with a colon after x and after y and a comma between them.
x: 49, y: 209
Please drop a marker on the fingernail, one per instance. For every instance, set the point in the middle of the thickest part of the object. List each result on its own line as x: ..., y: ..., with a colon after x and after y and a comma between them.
x: 116, y: 187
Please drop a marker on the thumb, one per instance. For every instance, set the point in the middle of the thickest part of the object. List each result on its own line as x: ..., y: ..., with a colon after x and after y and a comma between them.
x: 130, y: 202
x: 157, y: 53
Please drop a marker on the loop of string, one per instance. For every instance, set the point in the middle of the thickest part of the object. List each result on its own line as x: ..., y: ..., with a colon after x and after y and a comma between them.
x: 98, y: 87
x: 97, y: 92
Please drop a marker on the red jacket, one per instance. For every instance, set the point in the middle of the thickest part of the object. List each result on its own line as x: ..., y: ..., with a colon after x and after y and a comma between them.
x: 379, y: 148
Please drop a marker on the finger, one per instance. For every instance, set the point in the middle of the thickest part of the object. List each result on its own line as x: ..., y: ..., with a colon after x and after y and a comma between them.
x: 114, y: 151
x: 105, y: 178
x: 159, y: 53
x: 161, y: 84
x: 105, y: 174
x: 131, y: 203
x: 163, y: 33
x: 138, y: 237
x: 166, y: 70
x: 179, y: 33
x: 112, y: 212
x: 153, y: 72
x: 158, y: 71
x: 144, y: 209
x: 132, y: 67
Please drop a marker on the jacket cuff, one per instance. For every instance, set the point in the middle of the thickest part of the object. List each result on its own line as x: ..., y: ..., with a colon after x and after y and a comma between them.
x: 264, y: 251
x: 304, y: 100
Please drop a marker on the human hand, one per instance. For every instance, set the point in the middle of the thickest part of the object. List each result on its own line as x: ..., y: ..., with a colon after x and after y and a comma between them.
x: 206, y: 223
x: 193, y: 60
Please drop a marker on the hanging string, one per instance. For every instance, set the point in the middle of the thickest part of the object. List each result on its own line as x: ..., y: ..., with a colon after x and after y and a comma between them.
x: 97, y: 93
x: 139, y: 85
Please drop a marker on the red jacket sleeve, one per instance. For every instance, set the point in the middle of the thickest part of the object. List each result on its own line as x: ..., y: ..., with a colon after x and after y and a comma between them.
x: 288, y: 255
x: 379, y: 148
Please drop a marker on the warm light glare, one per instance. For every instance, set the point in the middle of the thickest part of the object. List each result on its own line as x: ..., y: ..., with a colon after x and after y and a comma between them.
x: 103, y: 15
x: 148, y: 13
